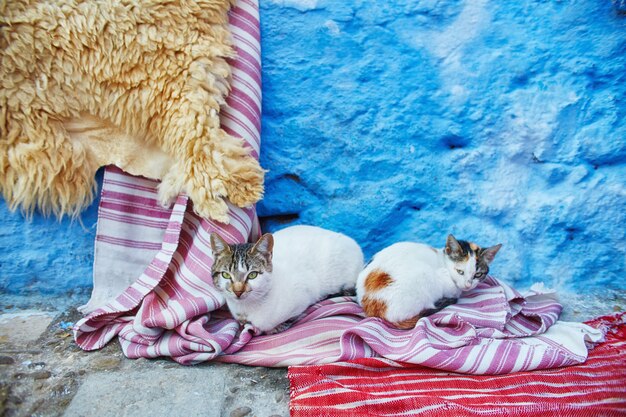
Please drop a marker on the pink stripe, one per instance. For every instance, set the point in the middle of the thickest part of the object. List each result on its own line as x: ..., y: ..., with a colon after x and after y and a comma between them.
x: 245, y: 22
x: 252, y: 69
x: 253, y: 111
x: 128, y: 243
x: 133, y: 186
x: 239, y: 80
x: 253, y: 21
x: 139, y: 221
x: 246, y: 129
x: 130, y: 198
x: 253, y: 45
x: 123, y: 208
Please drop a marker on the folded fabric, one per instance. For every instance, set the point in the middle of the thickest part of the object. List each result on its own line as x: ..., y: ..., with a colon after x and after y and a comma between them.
x: 379, y: 387
x: 131, y: 223
x: 153, y: 286
x: 173, y: 310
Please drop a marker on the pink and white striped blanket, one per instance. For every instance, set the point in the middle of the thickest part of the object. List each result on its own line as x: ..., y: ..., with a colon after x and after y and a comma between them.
x: 153, y: 287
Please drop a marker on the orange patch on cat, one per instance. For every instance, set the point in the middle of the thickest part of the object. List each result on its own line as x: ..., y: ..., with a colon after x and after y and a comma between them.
x: 474, y: 247
x: 374, y: 307
x: 407, y: 324
x: 377, y: 280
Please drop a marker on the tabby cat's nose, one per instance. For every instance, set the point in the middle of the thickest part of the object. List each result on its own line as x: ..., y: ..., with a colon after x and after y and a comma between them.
x: 238, y: 293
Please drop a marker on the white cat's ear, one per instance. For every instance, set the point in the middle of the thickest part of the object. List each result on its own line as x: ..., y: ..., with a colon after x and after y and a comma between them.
x: 265, y: 245
x: 218, y: 244
x: 490, y: 253
x: 453, y: 246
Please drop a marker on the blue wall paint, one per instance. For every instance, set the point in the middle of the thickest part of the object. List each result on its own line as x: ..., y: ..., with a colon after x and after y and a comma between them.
x: 496, y: 121
x: 499, y: 121
x: 44, y: 256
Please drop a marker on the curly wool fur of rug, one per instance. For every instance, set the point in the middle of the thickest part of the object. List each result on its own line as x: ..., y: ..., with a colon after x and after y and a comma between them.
x: 138, y: 84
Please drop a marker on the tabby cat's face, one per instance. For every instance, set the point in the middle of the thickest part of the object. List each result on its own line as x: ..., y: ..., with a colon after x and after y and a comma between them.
x: 241, y: 271
x: 469, y: 262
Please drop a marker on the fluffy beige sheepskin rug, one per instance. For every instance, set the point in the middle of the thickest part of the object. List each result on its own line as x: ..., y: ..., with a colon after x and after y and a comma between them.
x: 135, y: 83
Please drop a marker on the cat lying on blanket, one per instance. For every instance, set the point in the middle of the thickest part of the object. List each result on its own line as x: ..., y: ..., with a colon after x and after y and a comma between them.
x: 408, y: 280
x: 280, y: 276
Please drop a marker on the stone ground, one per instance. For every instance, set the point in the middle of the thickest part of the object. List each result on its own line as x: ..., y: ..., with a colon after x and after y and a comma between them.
x: 44, y: 373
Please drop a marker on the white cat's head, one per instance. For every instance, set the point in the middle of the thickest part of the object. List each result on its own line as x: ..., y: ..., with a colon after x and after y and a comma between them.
x: 468, y: 263
x: 242, y: 271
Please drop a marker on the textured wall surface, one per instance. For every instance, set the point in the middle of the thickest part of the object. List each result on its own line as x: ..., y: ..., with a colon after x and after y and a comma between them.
x: 498, y: 121
x: 43, y: 256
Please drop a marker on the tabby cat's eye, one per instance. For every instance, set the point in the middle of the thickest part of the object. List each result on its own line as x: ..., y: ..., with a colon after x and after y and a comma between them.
x: 478, y: 275
x: 253, y: 275
x: 226, y: 275
x: 460, y: 272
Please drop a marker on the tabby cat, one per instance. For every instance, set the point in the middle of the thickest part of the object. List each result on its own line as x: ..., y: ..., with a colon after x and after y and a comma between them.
x: 278, y: 277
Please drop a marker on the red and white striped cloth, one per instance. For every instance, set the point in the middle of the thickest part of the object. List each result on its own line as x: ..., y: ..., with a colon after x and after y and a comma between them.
x: 151, y: 266
x: 379, y: 387
x: 162, y: 302
x: 131, y: 225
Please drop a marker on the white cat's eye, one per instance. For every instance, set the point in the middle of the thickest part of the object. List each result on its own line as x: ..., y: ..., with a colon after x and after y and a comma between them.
x: 460, y: 272
x: 226, y: 275
x: 253, y: 275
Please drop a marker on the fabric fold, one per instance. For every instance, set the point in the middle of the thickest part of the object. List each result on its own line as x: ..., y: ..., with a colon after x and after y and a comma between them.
x: 170, y: 307
x: 380, y: 387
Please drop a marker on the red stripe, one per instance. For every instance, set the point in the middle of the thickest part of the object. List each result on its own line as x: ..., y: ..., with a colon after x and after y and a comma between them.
x: 371, y: 387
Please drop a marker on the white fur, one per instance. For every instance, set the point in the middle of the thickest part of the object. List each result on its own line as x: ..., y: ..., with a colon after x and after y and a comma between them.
x: 309, y: 263
x: 421, y: 276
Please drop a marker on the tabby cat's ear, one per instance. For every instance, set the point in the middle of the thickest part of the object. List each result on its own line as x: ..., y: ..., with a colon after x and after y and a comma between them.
x: 453, y: 247
x: 264, y: 246
x: 218, y: 244
x: 490, y: 253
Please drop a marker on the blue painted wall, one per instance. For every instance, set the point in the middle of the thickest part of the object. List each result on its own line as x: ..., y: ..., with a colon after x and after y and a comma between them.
x: 498, y: 121
x: 44, y: 256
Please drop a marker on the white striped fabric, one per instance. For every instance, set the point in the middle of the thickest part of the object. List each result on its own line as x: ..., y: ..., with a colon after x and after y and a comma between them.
x: 172, y: 309
x: 140, y: 245
x: 131, y: 225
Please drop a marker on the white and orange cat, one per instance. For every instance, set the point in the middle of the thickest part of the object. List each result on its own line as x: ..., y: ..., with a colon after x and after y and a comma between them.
x: 280, y: 276
x: 407, y: 280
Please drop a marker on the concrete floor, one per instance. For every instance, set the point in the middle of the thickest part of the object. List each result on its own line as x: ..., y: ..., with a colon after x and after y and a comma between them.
x: 44, y: 373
